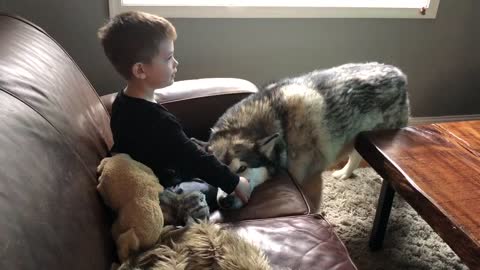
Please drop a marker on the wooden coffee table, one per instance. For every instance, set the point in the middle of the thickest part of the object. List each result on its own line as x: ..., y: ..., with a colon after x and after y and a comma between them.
x: 436, y: 169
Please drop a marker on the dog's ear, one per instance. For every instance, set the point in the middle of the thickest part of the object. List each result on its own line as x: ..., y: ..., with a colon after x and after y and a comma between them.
x: 267, y: 144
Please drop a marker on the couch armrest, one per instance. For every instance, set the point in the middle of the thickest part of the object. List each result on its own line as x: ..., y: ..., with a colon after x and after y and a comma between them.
x: 198, y: 103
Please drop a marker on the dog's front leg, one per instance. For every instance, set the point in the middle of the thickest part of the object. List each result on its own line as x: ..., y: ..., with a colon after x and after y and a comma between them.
x: 298, y: 166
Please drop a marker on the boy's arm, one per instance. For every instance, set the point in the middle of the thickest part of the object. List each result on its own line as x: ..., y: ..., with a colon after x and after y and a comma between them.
x: 188, y: 158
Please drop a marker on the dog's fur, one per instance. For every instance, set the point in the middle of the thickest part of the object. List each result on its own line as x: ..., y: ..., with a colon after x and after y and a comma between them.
x: 306, y: 123
x: 200, y: 246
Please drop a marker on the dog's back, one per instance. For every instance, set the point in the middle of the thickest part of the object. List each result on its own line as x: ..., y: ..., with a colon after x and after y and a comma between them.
x: 326, y: 109
x: 360, y: 97
x: 363, y: 97
x: 316, y: 116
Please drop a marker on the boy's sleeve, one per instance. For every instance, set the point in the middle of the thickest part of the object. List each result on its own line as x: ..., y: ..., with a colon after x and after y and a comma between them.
x: 186, y: 156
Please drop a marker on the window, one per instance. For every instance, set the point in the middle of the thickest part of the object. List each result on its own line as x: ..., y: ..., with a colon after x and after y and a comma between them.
x: 421, y: 9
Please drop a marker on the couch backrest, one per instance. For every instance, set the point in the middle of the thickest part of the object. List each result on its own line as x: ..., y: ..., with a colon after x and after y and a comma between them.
x: 53, y: 132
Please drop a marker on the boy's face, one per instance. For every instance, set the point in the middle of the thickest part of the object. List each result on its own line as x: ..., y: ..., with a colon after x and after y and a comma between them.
x: 160, y: 72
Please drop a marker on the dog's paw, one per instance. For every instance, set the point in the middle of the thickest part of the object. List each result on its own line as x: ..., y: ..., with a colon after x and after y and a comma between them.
x: 341, y: 174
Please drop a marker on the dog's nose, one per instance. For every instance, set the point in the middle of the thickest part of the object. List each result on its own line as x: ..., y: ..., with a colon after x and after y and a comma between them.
x: 226, y: 202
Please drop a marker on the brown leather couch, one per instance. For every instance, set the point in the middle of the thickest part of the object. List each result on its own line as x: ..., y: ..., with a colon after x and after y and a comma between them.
x: 54, y: 130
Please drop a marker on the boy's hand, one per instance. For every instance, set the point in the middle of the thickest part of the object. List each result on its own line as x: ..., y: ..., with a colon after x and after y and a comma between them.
x: 243, y: 190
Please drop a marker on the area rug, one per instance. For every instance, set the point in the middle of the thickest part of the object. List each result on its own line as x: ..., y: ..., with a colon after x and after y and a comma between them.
x: 410, y: 243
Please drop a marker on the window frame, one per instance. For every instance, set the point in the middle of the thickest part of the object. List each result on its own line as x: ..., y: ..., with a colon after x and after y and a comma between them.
x: 218, y: 11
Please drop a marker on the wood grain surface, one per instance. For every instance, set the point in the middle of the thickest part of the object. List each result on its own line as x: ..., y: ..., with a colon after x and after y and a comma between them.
x: 436, y: 168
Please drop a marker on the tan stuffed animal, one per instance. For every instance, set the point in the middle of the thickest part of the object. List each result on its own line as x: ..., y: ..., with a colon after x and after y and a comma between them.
x: 131, y: 189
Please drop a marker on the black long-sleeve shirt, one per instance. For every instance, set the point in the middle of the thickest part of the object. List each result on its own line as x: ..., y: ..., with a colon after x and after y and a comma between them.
x: 152, y: 135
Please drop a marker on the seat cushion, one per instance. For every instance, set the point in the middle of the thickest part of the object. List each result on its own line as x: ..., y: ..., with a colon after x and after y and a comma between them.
x: 301, y: 243
x: 277, y: 197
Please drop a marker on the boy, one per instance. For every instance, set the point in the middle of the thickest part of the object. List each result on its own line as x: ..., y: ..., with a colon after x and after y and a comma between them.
x: 140, y: 46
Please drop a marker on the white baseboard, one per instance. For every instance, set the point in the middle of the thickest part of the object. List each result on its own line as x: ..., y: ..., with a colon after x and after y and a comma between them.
x: 414, y: 121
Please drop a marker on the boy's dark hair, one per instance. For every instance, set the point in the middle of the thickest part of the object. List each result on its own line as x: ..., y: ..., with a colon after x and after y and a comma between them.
x: 133, y: 37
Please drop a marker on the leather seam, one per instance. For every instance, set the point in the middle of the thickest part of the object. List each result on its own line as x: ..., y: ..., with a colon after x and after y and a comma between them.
x: 297, y: 185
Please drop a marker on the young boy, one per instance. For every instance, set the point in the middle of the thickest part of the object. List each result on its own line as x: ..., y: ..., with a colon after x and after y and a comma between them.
x: 140, y: 46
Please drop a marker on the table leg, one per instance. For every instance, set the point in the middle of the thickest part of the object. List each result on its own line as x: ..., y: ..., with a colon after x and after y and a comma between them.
x: 381, y: 216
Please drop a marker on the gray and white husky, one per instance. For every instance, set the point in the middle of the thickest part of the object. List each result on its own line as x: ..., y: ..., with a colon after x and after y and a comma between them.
x: 306, y: 123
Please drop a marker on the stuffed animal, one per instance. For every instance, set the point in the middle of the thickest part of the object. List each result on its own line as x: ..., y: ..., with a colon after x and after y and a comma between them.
x: 131, y: 189
x: 181, y: 209
x: 199, y: 246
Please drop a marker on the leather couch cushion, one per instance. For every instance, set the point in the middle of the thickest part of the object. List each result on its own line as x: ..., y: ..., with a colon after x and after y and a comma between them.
x: 277, y: 197
x: 297, y: 243
x: 54, y: 131
x: 36, y: 70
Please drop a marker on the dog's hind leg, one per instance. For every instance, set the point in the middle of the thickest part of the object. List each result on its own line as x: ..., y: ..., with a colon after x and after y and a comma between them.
x: 353, y: 161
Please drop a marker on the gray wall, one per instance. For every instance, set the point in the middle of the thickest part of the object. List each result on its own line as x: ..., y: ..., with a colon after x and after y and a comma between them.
x: 74, y: 26
x: 437, y: 55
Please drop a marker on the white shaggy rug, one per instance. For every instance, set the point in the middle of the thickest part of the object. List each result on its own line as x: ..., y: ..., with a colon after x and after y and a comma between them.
x: 410, y: 243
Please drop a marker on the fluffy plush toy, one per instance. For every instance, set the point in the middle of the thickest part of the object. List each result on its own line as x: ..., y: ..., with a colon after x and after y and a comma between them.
x: 184, y: 208
x: 199, y: 246
x: 131, y: 189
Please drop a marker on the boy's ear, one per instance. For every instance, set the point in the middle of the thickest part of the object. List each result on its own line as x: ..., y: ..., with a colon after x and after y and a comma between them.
x: 138, y: 71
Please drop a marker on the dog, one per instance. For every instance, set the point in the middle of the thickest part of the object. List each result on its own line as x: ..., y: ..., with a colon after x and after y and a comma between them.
x: 306, y: 123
